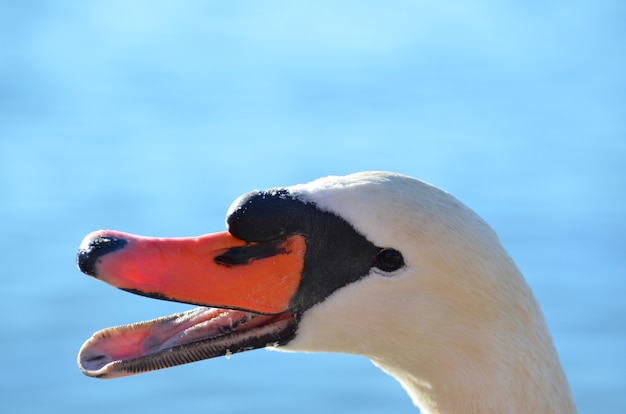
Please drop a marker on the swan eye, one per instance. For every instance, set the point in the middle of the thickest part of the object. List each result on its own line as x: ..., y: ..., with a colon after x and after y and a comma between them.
x: 389, y: 260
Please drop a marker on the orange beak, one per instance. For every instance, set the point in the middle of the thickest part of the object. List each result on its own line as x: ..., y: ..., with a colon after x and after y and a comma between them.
x: 249, y: 287
x: 216, y: 270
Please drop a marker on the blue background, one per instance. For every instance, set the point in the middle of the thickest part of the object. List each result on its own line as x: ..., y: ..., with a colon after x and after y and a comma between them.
x: 151, y: 117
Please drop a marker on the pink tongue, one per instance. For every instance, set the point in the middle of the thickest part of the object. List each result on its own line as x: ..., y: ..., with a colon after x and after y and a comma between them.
x: 196, y: 324
x: 146, y: 338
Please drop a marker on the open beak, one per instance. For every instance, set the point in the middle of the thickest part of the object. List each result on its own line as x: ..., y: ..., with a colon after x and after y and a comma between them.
x: 247, y: 286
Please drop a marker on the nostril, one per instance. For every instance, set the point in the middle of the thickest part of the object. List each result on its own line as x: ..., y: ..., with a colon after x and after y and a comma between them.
x: 89, y: 253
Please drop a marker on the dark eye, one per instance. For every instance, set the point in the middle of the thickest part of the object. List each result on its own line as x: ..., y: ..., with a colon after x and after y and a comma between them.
x: 389, y: 260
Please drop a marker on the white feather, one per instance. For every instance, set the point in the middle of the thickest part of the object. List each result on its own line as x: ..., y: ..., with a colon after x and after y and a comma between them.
x: 457, y: 326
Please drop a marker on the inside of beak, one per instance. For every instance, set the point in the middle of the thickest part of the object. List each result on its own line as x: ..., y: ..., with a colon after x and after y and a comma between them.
x: 182, y: 338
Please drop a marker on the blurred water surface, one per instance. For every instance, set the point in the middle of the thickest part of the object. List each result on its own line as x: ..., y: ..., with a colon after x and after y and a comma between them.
x: 151, y: 117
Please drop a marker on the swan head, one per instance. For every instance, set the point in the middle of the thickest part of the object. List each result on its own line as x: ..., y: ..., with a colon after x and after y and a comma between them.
x: 377, y: 264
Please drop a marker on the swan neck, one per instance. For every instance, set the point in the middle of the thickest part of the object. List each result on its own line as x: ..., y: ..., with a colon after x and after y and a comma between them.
x: 522, y: 383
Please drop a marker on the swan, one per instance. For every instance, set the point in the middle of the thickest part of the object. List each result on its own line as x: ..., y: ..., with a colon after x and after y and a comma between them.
x: 374, y: 263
